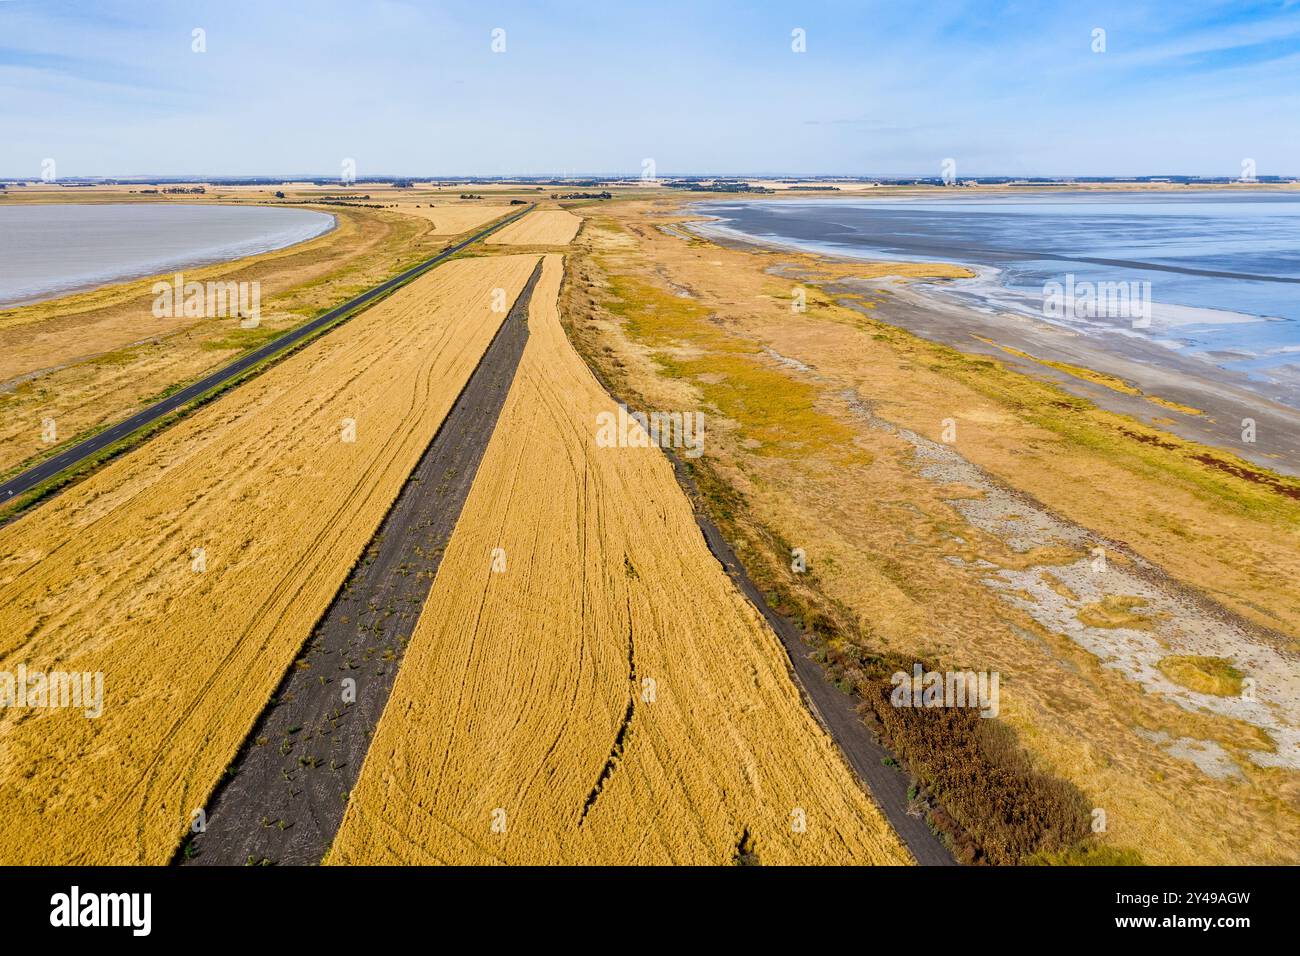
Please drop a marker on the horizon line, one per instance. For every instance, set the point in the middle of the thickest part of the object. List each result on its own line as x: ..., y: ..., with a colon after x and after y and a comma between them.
x: 148, y: 178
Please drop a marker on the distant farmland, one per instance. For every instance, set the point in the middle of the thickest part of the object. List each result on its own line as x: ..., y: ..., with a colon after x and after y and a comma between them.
x: 545, y: 227
x: 451, y: 218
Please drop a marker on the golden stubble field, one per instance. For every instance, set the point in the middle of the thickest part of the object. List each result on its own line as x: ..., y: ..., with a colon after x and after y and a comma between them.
x: 543, y: 227
x: 451, y: 218
x: 805, y: 409
x: 585, y: 684
x: 270, y: 485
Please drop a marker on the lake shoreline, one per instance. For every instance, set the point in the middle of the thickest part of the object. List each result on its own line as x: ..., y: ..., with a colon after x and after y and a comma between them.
x: 230, y: 251
x: 1203, y: 275
x: 1170, y: 391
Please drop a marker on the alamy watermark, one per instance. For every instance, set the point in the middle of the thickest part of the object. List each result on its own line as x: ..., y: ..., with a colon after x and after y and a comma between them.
x: 54, y: 690
x: 129, y: 910
x: 923, y: 688
x: 208, y: 300
x: 624, y: 429
x: 1084, y: 299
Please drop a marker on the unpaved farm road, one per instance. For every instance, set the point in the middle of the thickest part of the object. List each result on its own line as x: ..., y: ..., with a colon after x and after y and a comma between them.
x: 71, y: 457
x: 836, y: 710
x: 283, y: 799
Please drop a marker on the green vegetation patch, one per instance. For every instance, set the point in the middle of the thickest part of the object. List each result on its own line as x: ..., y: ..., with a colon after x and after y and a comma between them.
x: 1206, y: 675
x: 1115, y: 610
x: 776, y: 414
x: 1089, y: 854
x: 241, y: 340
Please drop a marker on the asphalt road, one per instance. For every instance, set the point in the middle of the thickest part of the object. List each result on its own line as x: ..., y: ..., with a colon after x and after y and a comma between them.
x: 71, y: 457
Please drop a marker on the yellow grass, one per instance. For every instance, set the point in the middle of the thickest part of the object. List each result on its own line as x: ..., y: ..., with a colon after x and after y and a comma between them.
x: 545, y: 227
x: 1113, y: 382
x: 1115, y: 610
x: 100, y: 579
x: 509, y: 706
x: 451, y: 219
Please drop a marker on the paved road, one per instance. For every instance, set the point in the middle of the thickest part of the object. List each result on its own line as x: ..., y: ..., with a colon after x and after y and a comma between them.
x: 29, y: 479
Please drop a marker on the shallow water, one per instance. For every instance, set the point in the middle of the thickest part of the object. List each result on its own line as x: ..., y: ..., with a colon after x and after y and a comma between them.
x: 47, y: 250
x: 1224, y: 270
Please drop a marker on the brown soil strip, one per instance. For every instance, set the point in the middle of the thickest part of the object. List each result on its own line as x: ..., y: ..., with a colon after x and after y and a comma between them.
x: 283, y: 798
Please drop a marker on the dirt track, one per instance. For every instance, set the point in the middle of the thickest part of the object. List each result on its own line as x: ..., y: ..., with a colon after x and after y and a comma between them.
x: 284, y: 797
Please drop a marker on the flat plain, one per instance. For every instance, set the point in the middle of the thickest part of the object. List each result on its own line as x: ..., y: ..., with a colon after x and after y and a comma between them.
x: 453, y: 218
x: 1122, y: 675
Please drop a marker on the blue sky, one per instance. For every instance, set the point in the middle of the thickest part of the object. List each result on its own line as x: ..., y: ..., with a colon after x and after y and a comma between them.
x: 295, y: 86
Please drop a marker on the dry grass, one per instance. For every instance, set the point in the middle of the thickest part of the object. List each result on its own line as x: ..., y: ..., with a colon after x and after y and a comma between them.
x: 101, y: 578
x: 543, y: 227
x: 1208, y: 675
x: 523, y: 696
x: 1115, y: 610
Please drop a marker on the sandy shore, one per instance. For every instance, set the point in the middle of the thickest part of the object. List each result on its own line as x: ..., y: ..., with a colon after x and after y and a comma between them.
x: 1218, y: 402
x: 1155, y: 371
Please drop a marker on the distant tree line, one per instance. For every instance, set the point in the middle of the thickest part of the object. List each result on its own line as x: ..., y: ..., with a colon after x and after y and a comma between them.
x: 720, y: 186
x: 335, y: 201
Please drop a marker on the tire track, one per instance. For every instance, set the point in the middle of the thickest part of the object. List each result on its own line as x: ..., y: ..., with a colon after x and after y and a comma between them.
x: 625, y: 726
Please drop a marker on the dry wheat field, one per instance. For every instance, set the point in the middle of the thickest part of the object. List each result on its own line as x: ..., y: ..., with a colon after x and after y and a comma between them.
x: 585, y: 684
x: 451, y: 219
x: 545, y: 227
x: 190, y: 571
